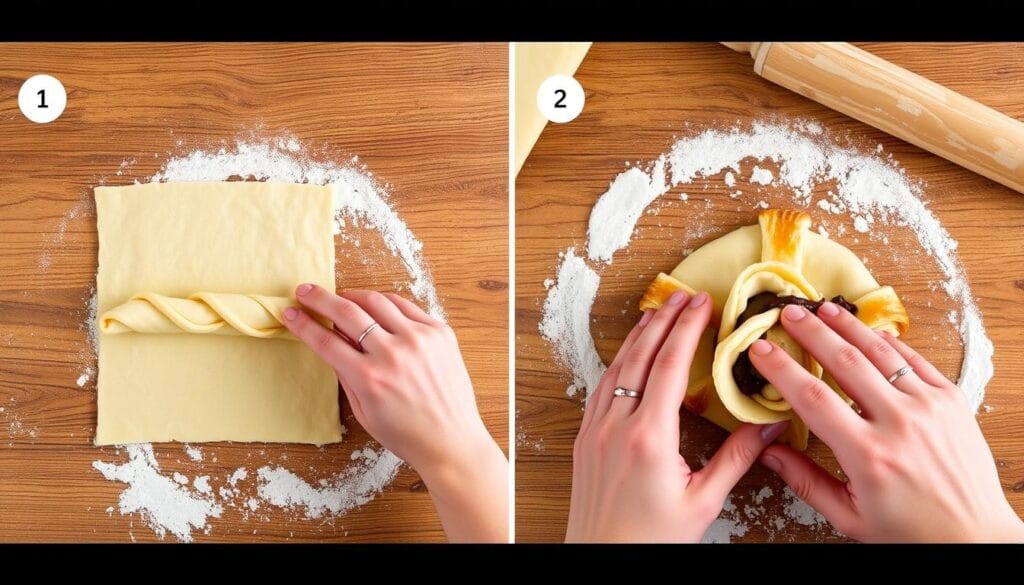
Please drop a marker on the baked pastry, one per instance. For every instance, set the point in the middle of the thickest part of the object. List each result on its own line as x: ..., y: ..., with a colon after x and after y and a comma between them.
x: 750, y: 274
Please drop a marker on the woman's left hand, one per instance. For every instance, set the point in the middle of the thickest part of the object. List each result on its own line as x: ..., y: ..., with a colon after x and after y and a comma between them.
x: 630, y: 482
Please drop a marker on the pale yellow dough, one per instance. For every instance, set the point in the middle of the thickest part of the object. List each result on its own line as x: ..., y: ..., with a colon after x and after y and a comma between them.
x: 228, y: 240
x: 741, y: 264
x: 214, y: 313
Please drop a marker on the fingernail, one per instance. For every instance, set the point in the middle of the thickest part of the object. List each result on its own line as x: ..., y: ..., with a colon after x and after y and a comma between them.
x: 761, y: 347
x: 772, y: 431
x: 771, y: 462
x: 828, y: 309
x: 647, y: 317
x: 699, y: 300
x: 677, y: 298
x: 291, y: 313
x: 884, y: 334
x: 794, y: 312
x: 303, y: 289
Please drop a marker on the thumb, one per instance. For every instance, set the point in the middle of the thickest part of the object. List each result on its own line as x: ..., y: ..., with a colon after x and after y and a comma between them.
x: 735, y: 457
x: 813, y: 485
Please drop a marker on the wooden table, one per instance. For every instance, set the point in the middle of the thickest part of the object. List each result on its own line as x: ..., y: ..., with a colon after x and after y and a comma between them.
x: 431, y: 120
x: 640, y: 96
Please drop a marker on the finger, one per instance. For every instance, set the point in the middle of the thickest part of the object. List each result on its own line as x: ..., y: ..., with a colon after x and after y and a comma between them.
x: 922, y: 367
x: 324, y: 342
x: 878, y: 351
x: 638, y: 360
x: 855, y: 374
x: 601, y: 399
x: 347, y: 316
x: 666, y: 385
x: 379, y: 308
x: 410, y: 309
x: 354, y: 404
x: 817, y: 404
x: 735, y: 457
x: 813, y: 485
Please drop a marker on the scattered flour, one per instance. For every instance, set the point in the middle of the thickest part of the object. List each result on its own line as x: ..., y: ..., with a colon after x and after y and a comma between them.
x: 614, y: 217
x: 165, y: 505
x: 726, y: 526
x: 861, y: 225
x: 355, y: 486
x: 164, y: 501
x: 194, y: 453
x: 800, y: 511
x: 202, y: 484
x: 761, y: 176
x: 566, y: 322
x: 238, y: 475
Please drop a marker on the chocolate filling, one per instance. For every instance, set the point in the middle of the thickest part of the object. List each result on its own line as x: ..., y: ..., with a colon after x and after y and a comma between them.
x: 748, y: 379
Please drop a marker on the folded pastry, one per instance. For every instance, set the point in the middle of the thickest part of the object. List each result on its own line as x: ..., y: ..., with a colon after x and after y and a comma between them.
x: 212, y: 313
x: 751, y: 274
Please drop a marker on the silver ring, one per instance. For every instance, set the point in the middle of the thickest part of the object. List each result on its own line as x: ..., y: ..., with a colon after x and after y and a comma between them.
x: 362, y: 336
x: 626, y: 392
x: 900, y: 373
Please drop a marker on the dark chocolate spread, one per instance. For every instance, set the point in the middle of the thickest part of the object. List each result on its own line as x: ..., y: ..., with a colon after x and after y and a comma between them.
x: 748, y: 379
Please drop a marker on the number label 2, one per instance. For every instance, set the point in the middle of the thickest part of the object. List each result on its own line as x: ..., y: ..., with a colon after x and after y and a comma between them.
x: 560, y: 102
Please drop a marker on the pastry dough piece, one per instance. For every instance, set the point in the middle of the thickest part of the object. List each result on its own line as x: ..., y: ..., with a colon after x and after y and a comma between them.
x: 660, y: 289
x: 224, y: 314
x: 768, y: 405
x: 763, y: 277
x: 782, y: 233
x: 779, y: 255
x: 220, y: 238
x: 882, y: 310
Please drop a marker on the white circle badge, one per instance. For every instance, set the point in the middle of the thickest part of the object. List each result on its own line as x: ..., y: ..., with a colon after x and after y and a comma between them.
x: 560, y: 98
x: 42, y: 98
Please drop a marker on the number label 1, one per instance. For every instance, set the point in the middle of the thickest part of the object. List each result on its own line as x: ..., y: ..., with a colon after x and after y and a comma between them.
x: 42, y: 98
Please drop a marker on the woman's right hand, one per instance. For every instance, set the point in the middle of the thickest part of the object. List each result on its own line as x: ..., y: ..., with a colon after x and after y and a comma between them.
x: 918, y: 466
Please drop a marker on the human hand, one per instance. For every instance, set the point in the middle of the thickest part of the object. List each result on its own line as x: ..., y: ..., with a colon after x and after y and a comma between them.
x: 918, y: 466
x: 630, y: 483
x: 409, y: 388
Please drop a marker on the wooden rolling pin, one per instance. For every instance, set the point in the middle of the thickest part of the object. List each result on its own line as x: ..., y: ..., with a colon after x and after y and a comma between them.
x: 899, y: 102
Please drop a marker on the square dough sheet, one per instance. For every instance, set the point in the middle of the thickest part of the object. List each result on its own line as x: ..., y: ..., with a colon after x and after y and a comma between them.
x: 177, y: 239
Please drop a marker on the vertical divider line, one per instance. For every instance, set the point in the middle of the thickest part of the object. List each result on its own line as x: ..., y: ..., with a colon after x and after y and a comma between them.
x: 511, y: 294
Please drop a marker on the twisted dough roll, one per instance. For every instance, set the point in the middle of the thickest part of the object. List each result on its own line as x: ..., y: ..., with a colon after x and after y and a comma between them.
x: 780, y: 255
x: 217, y: 313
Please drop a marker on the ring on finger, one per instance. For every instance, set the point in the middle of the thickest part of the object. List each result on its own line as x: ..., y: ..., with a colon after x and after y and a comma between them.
x: 900, y: 373
x: 627, y: 392
x: 362, y: 336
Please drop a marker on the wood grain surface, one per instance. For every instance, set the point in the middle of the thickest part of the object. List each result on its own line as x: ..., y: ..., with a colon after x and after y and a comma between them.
x: 639, y: 96
x: 430, y: 120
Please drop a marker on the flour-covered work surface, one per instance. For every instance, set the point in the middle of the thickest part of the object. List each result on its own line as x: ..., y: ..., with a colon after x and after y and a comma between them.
x: 182, y: 126
x: 710, y: 148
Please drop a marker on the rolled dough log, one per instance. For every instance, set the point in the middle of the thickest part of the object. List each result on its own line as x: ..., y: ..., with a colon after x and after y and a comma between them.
x: 224, y: 314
